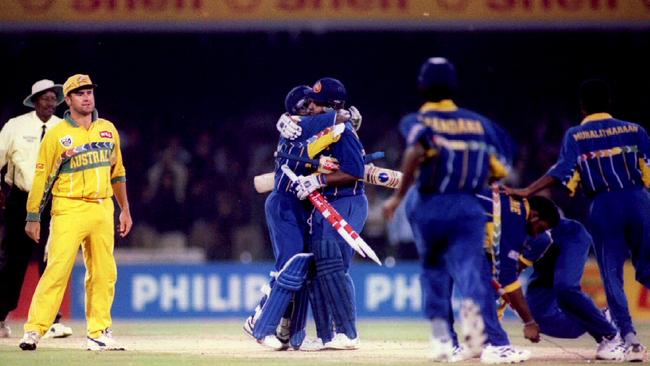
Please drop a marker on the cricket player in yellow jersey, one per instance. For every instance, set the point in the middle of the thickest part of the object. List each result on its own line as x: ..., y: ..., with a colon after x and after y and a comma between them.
x: 80, y: 166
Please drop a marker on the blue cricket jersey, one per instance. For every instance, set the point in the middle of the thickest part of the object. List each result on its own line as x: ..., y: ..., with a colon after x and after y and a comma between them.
x: 349, y: 152
x: 509, y: 236
x: 465, y: 145
x: 603, y: 154
x: 311, y: 125
x: 542, y: 254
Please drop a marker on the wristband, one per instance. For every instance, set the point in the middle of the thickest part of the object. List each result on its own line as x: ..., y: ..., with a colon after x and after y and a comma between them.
x: 530, y: 322
x: 322, y: 179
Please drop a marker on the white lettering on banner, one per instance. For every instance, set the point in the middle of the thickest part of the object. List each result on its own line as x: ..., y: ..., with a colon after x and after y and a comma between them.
x: 407, y: 290
x: 198, y: 293
x: 170, y: 293
x: 144, y: 291
x: 215, y: 301
x: 404, y: 291
x: 234, y: 286
x: 252, y: 286
x: 378, y: 290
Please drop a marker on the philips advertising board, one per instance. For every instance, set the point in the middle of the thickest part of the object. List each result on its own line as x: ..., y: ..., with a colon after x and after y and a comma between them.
x: 230, y: 290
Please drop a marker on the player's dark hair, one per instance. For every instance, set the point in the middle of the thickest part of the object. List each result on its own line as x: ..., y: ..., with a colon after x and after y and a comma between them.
x: 437, y: 93
x: 594, y: 96
x: 546, y: 209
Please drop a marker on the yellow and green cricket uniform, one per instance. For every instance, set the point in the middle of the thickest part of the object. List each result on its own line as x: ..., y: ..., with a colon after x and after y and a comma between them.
x: 77, y: 167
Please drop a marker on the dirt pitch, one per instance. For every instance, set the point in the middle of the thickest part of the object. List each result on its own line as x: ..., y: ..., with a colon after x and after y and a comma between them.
x: 222, y: 342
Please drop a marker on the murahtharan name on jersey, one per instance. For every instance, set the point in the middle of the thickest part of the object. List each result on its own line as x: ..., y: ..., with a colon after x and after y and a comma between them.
x: 605, y: 132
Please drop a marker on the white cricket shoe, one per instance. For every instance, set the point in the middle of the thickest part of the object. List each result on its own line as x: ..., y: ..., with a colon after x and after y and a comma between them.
x: 5, y: 331
x: 341, y: 341
x: 105, y: 342
x: 272, y: 342
x: 611, y: 349
x: 248, y: 326
x: 29, y: 341
x: 312, y: 345
x: 503, y: 354
x: 442, y: 350
x: 58, y: 330
x: 472, y: 325
x: 462, y: 353
x: 635, y: 353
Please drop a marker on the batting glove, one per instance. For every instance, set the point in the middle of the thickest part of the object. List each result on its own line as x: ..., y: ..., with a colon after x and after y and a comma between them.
x: 327, y: 164
x: 304, y: 185
x: 288, y: 128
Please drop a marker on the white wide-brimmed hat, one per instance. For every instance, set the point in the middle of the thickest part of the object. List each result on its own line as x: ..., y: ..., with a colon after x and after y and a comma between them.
x: 41, y: 86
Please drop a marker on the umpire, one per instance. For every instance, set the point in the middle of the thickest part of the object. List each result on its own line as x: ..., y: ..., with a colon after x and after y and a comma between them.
x: 20, y: 140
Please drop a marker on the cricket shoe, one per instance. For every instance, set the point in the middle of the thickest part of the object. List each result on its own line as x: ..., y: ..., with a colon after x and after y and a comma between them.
x: 473, y: 327
x: 312, y: 345
x: 635, y: 353
x: 29, y: 341
x: 462, y: 353
x: 503, y: 354
x: 341, y: 341
x: 442, y: 350
x: 5, y: 331
x: 248, y: 327
x: 611, y: 349
x: 105, y: 342
x: 58, y: 330
x: 272, y: 342
x: 283, y: 332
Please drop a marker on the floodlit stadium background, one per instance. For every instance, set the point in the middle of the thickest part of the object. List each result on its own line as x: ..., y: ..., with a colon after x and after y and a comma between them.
x: 195, y: 88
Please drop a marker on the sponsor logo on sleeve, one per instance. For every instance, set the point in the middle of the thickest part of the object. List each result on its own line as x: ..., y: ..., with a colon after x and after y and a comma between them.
x: 106, y: 134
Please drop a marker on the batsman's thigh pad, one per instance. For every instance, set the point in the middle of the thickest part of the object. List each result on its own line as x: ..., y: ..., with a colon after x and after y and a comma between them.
x: 287, y: 223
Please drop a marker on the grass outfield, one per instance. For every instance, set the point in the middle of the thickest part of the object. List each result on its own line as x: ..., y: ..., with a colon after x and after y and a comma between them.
x: 221, y: 342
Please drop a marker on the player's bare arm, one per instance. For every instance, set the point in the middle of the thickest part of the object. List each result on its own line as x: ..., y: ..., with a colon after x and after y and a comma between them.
x: 544, y: 182
x: 126, y: 223
x: 519, y: 304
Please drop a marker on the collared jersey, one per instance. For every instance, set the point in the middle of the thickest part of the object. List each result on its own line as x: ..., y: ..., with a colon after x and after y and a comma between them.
x: 603, y: 154
x: 509, y: 236
x: 20, y: 140
x: 311, y: 127
x: 76, y: 163
x: 465, y: 145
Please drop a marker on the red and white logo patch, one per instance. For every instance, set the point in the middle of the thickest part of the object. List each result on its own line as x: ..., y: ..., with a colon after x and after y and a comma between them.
x: 106, y: 134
